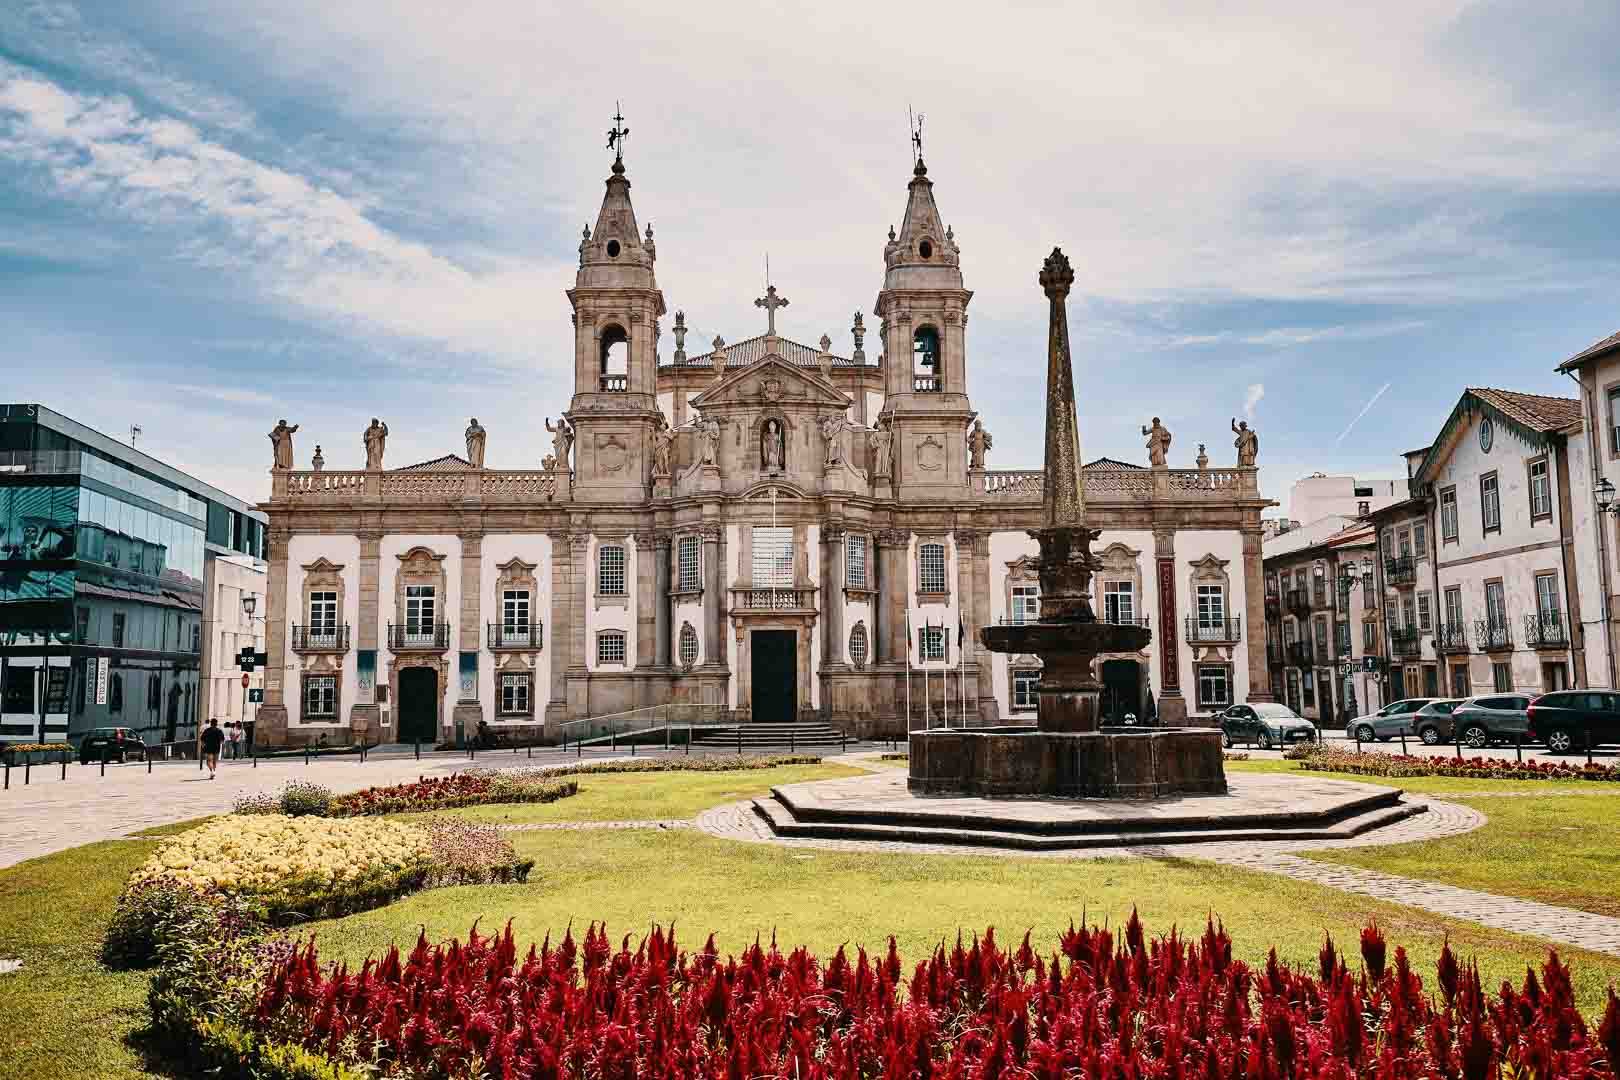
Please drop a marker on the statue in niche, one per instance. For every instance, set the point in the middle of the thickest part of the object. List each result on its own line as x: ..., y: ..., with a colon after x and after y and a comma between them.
x: 562, y: 441
x: 881, y: 440
x: 773, y: 446
x: 709, y: 432
x: 475, y: 443
x: 281, y: 444
x: 1247, y: 443
x: 831, y: 428
x: 663, y: 442
x: 1158, y: 444
x: 979, y: 441
x: 376, y: 438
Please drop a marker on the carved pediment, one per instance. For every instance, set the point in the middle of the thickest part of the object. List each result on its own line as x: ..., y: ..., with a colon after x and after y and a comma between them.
x: 1209, y: 568
x: 323, y: 565
x: 1024, y: 568
x: 420, y: 559
x: 772, y: 382
x: 785, y: 492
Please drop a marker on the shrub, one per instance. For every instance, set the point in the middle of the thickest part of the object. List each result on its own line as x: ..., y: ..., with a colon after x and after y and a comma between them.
x: 718, y: 763
x: 154, y: 912
x: 1371, y: 763
x: 1099, y: 1007
x: 258, y: 854
x: 301, y: 797
x: 472, y: 788
x: 257, y: 802
x: 469, y: 854
x: 36, y: 748
x: 901, y: 756
x: 1229, y: 755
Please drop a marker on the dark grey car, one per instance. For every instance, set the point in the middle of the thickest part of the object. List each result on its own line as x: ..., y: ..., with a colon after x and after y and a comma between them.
x: 1492, y: 718
x: 1433, y: 721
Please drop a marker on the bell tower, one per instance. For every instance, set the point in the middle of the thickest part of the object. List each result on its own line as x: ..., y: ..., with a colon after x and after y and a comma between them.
x: 923, y: 308
x: 617, y: 304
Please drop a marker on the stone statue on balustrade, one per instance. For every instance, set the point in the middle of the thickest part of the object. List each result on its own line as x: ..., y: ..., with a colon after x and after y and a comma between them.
x: 376, y: 438
x: 881, y: 440
x: 1202, y: 461
x: 1158, y: 444
x: 562, y: 441
x: 281, y: 443
x: 709, y: 433
x: 318, y: 462
x: 979, y: 443
x: 773, y: 447
x: 663, y: 444
x: 1247, y: 443
x: 475, y: 443
x: 831, y: 428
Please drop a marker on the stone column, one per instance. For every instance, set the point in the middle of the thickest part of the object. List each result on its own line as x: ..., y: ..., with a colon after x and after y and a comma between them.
x: 893, y: 547
x: 661, y: 600
x: 967, y: 609
x: 646, y: 601
x: 832, y: 596
x: 467, y: 710
x: 366, y: 630
x: 579, y: 550
x: 1254, y: 607
x: 562, y: 628
x: 714, y: 607
x: 989, y: 710
x: 271, y: 726
x: 1172, y: 705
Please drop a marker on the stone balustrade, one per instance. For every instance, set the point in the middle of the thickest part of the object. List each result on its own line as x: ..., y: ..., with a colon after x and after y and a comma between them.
x: 337, y: 487
x: 1170, y: 485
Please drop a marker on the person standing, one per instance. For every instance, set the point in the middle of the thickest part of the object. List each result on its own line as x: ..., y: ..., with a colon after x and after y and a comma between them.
x: 235, y: 737
x: 212, y: 739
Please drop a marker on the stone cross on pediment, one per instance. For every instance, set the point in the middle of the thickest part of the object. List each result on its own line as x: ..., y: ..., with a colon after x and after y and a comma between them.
x: 770, y: 302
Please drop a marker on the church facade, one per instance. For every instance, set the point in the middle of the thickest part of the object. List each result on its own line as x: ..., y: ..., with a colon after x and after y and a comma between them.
x: 764, y: 531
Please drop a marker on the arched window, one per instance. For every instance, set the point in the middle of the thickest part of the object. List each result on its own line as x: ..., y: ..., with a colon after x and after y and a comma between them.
x: 615, y: 359
x: 688, y: 646
x: 857, y: 645
x: 925, y: 360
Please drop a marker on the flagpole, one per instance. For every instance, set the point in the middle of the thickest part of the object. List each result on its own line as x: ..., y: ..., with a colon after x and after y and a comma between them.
x: 945, y: 674
x: 908, y: 672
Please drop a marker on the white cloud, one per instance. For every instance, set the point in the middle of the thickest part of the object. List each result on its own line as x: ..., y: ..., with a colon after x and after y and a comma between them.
x: 1252, y: 397
x: 228, y: 395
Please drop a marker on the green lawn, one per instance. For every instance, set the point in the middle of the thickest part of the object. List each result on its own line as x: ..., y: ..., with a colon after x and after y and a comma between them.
x: 650, y: 796
x: 64, y: 1016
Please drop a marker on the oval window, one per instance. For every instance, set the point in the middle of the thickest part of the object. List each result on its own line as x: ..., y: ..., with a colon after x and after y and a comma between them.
x: 613, y: 249
x: 926, y: 249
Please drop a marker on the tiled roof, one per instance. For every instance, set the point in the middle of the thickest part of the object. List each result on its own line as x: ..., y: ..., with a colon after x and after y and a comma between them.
x: 448, y: 463
x: 1535, y: 411
x: 1108, y: 464
x: 752, y: 351
x: 1592, y: 352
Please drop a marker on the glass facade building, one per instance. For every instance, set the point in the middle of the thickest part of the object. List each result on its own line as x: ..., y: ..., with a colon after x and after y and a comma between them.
x: 103, y: 551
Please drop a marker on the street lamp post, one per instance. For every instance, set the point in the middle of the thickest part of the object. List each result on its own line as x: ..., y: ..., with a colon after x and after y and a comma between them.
x: 250, y: 603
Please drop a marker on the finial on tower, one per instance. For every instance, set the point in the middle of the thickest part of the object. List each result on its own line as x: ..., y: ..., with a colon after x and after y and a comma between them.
x: 916, y: 123
x: 616, y: 136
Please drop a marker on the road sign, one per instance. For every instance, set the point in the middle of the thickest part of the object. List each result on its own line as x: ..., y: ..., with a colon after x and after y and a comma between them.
x: 101, y: 680
x: 256, y: 696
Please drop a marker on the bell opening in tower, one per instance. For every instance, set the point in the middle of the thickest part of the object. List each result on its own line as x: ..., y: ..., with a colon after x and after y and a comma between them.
x: 925, y: 359
x: 615, y: 359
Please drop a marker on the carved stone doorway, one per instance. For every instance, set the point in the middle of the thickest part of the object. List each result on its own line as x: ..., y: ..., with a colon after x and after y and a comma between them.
x: 774, y: 671
x: 418, y: 706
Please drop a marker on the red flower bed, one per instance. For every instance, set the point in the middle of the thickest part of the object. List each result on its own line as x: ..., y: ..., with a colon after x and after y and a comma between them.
x: 1124, y: 1009
x: 444, y: 793
x: 1329, y: 759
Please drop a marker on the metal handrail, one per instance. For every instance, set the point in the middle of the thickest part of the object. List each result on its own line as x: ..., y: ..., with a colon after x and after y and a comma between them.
x: 634, y: 723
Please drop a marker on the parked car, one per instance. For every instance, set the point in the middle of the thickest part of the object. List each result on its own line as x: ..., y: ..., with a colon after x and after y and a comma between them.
x: 1267, y: 724
x: 1433, y: 721
x: 1392, y: 720
x: 115, y: 743
x: 1480, y: 721
x: 1564, y: 718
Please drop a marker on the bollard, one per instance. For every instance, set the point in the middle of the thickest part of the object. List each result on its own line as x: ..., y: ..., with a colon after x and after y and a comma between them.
x: 417, y: 743
x: 148, y: 764
x: 688, y: 740
x: 1518, y: 746
x: 64, y: 764
x: 1403, y: 742
x: 28, y: 769
x: 529, y: 753
x: 1589, y: 744
x: 254, y: 754
x: 306, y: 753
x: 1358, y: 740
x: 739, y: 738
x: 793, y: 740
x: 8, y: 774
x: 103, y: 762
x: 843, y: 742
x: 1456, y: 736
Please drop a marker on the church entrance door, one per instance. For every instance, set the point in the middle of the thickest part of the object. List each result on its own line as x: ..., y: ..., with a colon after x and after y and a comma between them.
x: 1122, y: 690
x: 418, y: 704
x: 774, y: 675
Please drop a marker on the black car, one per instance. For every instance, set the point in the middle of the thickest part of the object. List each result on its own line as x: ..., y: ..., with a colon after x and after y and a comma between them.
x: 1481, y: 721
x: 1564, y: 719
x: 1266, y: 724
x: 111, y: 743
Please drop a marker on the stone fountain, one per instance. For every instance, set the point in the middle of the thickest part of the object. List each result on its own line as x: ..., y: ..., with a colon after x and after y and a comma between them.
x: 1068, y: 753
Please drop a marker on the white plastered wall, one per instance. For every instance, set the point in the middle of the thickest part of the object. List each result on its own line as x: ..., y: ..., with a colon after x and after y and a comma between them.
x: 302, y: 550
x: 497, y: 549
x: 393, y: 546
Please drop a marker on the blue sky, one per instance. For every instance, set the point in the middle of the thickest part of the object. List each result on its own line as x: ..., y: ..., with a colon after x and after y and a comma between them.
x: 213, y: 215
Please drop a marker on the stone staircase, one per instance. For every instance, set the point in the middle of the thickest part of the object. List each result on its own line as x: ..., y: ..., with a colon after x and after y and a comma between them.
x: 811, y: 735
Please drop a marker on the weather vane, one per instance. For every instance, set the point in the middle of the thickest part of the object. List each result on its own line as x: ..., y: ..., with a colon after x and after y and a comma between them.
x: 916, y: 123
x: 617, y: 132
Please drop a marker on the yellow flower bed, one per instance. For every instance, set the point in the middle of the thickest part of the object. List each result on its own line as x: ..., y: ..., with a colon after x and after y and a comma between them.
x: 258, y: 852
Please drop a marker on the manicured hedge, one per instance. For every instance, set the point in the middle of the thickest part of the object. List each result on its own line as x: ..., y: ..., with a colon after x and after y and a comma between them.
x: 472, y: 788
x: 1318, y: 758
x: 718, y: 763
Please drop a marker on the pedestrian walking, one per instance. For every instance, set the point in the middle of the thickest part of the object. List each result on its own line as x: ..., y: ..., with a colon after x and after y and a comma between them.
x: 235, y: 738
x: 212, y: 739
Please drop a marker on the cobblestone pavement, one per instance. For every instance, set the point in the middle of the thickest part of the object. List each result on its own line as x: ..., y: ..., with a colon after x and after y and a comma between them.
x: 50, y: 814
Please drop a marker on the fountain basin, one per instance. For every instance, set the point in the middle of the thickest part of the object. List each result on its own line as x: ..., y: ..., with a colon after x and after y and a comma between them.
x: 1069, y: 638
x: 1113, y: 763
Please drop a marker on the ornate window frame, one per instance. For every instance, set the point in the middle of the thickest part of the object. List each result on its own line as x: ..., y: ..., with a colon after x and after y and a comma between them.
x: 515, y: 574
x: 518, y: 676
x: 681, y: 590
x: 930, y: 596
x: 1015, y: 669
x: 422, y: 565
x: 1024, y: 570
x: 861, y: 656
x: 602, y: 599
x: 1210, y: 570
x: 624, y: 647
x: 305, y: 680
x: 1120, y: 563
x: 1223, y: 668
x: 688, y: 634
x: 322, y: 575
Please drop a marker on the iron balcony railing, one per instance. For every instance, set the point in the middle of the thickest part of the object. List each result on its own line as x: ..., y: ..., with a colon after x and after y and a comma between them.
x: 1322, y: 656
x: 1115, y: 620
x: 1273, y: 607
x: 1405, y: 641
x: 1545, y: 630
x: 1299, y: 654
x: 1491, y: 635
x: 1319, y: 594
x: 1299, y: 601
x: 424, y: 635
x: 323, y: 637
x: 516, y: 635
x: 1206, y: 629
x: 1451, y: 637
x: 1401, y: 570
x: 1274, y: 654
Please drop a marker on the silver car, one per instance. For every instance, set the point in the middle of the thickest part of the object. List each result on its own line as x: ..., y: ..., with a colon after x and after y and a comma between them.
x: 1393, y: 719
x: 1489, y: 718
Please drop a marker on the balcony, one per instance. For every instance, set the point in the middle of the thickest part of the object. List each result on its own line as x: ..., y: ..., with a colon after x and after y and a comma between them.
x: 1115, y: 620
x: 1492, y: 636
x: 927, y: 384
x: 1217, y: 631
x: 1405, y: 642
x: 325, y: 638
x: 1323, y: 659
x: 614, y: 384
x: 1451, y: 637
x: 1299, y: 601
x: 1299, y: 654
x: 419, y: 637
x: 1401, y: 570
x: 1274, y: 655
x: 1273, y: 607
x: 526, y: 636
x: 787, y: 598
x: 1546, y: 631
